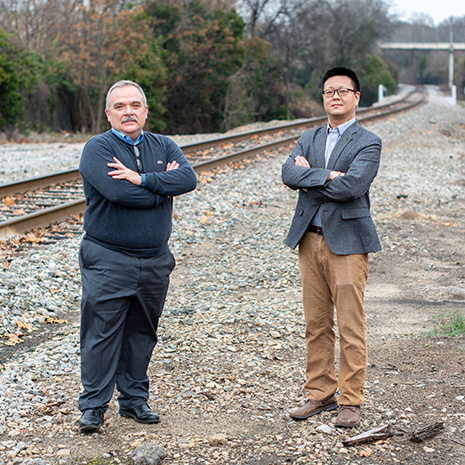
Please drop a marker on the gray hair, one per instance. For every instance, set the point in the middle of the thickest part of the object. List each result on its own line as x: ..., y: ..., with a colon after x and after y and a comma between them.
x: 124, y: 83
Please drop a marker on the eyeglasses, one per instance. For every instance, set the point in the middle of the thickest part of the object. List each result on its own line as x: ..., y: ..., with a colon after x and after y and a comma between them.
x: 138, y: 162
x: 342, y: 92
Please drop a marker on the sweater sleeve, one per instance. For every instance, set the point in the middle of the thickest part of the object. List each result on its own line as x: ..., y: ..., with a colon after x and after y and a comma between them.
x: 94, y: 170
x: 173, y: 182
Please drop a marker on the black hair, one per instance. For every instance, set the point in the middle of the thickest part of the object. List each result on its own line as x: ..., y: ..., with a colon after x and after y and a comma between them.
x: 341, y: 71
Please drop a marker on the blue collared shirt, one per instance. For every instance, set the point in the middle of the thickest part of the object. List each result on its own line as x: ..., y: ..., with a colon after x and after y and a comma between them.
x: 127, y: 138
x: 332, y: 138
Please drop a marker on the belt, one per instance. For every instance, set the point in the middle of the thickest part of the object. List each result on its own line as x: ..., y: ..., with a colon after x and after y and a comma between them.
x: 315, y: 229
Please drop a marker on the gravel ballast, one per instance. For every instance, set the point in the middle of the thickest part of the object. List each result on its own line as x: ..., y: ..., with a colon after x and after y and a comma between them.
x: 230, y: 360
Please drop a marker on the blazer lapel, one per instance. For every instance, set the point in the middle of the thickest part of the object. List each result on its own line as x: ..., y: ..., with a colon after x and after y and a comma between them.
x: 343, y: 141
x: 319, y: 151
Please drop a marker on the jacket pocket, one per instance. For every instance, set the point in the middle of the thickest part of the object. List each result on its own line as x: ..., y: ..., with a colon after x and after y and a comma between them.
x: 353, y: 213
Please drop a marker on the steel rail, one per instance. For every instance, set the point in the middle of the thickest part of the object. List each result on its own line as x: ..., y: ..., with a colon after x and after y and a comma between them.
x: 72, y: 175
x: 46, y: 216
x: 293, y: 125
x: 38, y: 182
x: 236, y: 156
x: 40, y: 218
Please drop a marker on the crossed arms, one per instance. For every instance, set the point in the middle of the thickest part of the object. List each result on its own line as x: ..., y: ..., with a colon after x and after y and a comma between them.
x: 358, y: 166
x: 122, y: 172
x: 103, y: 171
x: 302, y: 161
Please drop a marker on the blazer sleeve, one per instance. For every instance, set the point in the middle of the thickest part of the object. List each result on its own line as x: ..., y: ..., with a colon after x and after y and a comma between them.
x: 298, y: 177
x: 359, y: 175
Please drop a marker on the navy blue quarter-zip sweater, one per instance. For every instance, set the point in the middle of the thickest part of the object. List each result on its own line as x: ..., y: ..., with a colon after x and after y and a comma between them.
x: 122, y: 216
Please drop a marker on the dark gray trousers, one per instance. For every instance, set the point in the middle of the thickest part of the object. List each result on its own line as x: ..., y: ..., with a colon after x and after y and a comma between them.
x: 122, y: 301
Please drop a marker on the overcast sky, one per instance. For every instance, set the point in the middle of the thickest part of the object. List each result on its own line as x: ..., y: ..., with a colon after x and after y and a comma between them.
x: 437, y: 9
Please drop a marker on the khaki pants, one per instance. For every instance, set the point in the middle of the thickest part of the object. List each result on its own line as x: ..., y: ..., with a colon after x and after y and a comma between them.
x: 329, y: 281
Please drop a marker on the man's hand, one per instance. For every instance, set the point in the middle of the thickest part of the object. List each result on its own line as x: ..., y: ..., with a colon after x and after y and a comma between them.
x: 302, y: 161
x: 121, y: 172
x: 334, y: 174
x: 172, y: 166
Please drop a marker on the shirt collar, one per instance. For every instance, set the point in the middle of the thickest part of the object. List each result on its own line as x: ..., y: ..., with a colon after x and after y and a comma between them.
x: 128, y: 139
x: 341, y: 128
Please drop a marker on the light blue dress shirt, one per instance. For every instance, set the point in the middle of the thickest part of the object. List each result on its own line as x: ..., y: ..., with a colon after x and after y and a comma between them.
x: 332, y: 138
x: 127, y: 138
x: 143, y: 177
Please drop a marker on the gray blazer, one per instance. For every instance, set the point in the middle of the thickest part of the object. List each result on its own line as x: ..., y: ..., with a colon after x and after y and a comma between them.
x: 345, y: 203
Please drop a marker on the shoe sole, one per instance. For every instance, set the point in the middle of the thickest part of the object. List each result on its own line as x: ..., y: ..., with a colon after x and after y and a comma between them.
x: 318, y: 410
x: 90, y: 429
x: 142, y: 422
x: 344, y: 425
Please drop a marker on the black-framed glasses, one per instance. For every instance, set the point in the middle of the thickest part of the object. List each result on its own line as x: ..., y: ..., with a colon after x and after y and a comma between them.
x: 342, y: 92
x: 138, y: 162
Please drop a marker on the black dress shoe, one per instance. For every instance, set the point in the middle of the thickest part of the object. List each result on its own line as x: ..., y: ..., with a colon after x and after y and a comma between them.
x: 91, y: 420
x: 140, y: 414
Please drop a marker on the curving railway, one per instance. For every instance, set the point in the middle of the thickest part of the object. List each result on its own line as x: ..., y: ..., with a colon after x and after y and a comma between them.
x: 38, y: 202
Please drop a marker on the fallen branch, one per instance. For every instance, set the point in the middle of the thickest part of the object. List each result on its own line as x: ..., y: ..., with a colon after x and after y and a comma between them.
x: 457, y: 441
x: 375, y: 434
x: 427, y: 432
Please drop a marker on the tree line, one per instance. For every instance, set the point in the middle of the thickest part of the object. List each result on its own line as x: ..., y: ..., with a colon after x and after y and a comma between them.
x: 206, y: 65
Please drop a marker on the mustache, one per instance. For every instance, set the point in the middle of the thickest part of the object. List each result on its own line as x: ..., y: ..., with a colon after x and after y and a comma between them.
x: 129, y: 118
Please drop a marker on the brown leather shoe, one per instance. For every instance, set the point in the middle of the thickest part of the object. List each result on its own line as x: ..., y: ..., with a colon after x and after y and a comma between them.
x: 312, y: 407
x: 348, y: 416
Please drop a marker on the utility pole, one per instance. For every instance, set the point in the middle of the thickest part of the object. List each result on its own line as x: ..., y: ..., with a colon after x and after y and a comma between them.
x: 451, y: 59
x: 430, y: 46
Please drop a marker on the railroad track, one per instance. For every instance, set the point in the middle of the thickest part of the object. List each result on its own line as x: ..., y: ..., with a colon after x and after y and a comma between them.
x: 38, y: 202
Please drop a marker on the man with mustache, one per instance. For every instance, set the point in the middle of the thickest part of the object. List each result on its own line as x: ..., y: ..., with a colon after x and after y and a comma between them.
x: 130, y: 178
x: 333, y: 167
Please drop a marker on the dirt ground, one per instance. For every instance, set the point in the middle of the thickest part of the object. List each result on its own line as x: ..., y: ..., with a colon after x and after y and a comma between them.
x: 248, y: 380
x: 415, y: 378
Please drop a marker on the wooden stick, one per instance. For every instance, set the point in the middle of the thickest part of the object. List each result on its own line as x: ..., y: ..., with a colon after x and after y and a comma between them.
x: 375, y: 434
x: 427, y: 432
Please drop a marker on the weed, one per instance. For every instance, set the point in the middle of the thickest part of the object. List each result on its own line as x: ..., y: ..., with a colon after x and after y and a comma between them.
x: 449, y: 325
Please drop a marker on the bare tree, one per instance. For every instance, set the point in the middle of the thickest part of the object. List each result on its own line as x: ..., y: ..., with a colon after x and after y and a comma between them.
x: 313, y: 35
x: 290, y: 37
x: 354, y: 26
x: 264, y: 15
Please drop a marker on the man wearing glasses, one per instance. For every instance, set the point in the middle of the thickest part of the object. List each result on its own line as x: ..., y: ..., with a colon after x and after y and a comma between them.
x: 130, y: 178
x: 333, y: 167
